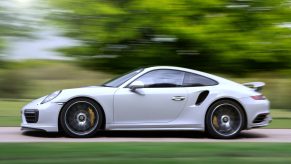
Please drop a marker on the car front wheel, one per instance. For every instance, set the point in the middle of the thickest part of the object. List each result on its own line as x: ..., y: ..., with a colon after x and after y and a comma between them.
x: 81, y: 117
x: 225, y: 119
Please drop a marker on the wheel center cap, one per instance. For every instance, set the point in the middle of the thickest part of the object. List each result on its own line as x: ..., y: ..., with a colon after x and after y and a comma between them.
x: 225, y: 119
x: 81, y: 117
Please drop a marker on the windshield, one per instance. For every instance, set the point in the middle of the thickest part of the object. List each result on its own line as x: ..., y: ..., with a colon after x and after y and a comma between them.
x: 116, y: 82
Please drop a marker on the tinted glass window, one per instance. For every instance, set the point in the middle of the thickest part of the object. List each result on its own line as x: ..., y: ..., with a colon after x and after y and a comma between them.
x: 162, y: 79
x: 194, y: 80
x: 121, y: 79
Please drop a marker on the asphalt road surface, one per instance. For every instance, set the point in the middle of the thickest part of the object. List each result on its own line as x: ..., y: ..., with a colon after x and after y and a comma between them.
x: 14, y: 134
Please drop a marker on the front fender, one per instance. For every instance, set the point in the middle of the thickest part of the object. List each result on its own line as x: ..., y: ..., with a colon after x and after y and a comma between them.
x: 102, y: 95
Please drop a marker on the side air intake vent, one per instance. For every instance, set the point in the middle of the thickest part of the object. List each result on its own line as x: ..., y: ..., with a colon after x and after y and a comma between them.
x: 202, y: 96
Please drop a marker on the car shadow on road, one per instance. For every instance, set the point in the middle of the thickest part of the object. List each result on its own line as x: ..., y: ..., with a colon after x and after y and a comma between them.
x: 248, y: 134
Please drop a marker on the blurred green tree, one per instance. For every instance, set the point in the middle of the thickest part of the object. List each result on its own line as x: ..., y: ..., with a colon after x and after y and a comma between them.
x: 11, y: 25
x: 214, y: 35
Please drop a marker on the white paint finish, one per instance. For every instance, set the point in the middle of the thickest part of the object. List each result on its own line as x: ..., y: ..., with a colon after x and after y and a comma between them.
x: 148, y: 105
x: 48, y: 115
x: 254, y: 108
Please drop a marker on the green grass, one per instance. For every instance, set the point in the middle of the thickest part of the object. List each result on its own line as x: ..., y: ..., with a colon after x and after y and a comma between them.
x: 10, y: 114
x: 145, y: 153
x: 281, y: 119
x: 280, y: 124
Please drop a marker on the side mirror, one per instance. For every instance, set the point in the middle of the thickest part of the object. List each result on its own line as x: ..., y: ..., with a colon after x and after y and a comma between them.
x: 135, y: 85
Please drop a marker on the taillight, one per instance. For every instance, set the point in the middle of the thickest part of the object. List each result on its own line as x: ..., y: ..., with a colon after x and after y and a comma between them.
x: 258, y: 97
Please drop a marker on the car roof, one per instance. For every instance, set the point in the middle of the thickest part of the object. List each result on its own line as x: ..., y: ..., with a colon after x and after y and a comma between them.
x: 169, y: 67
x: 176, y: 68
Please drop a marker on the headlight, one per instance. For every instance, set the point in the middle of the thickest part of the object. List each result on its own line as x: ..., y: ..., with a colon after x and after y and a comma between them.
x: 51, y: 97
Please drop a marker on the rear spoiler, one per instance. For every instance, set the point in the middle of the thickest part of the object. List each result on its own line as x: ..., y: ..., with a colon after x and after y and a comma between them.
x: 256, y: 86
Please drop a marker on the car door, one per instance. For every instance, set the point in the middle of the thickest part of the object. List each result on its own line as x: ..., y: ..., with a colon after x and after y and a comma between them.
x: 161, y: 100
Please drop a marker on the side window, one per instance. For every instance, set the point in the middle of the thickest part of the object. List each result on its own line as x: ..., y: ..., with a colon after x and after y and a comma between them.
x: 162, y: 79
x: 194, y: 80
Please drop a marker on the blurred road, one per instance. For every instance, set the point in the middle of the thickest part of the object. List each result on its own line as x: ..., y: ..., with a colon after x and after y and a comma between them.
x: 14, y: 134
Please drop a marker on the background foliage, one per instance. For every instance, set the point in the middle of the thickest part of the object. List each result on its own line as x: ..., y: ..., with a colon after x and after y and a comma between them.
x: 230, y: 36
x: 12, y: 82
x: 11, y: 25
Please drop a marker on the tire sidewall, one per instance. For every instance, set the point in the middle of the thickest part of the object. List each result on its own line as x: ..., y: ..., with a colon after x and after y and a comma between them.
x: 208, y: 121
x: 67, y: 131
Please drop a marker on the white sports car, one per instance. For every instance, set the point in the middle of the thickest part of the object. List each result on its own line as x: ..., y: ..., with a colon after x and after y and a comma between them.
x: 154, y: 98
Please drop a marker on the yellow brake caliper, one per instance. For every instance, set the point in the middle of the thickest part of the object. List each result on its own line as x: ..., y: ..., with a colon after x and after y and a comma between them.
x: 215, y: 122
x: 92, y: 116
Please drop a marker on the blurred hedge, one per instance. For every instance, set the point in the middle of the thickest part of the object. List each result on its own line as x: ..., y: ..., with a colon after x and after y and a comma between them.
x: 13, y: 84
x: 33, y: 79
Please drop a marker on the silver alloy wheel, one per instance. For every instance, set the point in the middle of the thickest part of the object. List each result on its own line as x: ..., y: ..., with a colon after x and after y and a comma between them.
x: 81, y: 118
x: 226, y: 119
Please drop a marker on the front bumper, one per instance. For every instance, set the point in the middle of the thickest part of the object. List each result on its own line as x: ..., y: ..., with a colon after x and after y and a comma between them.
x: 47, y: 115
x: 257, y: 111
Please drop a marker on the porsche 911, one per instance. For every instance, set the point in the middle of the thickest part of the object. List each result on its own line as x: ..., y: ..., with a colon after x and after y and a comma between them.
x: 152, y: 98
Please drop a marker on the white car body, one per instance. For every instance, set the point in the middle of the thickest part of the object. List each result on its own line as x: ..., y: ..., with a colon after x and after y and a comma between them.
x: 153, y: 108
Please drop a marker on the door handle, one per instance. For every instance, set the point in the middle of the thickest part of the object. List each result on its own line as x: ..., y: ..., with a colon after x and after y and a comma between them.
x: 178, y: 98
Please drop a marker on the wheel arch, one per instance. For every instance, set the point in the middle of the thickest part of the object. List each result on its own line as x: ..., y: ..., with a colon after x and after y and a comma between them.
x: 103, y: 113
x: 230, y: 99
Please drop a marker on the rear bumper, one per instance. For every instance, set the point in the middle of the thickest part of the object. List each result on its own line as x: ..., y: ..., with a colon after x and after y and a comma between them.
x: 255, y: 109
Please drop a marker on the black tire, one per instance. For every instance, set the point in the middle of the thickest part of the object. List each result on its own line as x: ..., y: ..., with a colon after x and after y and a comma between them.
x: 225, y: 119
x: 81, y: 117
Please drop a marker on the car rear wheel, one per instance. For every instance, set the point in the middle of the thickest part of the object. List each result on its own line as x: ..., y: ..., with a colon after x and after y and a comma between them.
x: 81, y: 117
x: 225, y: 119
